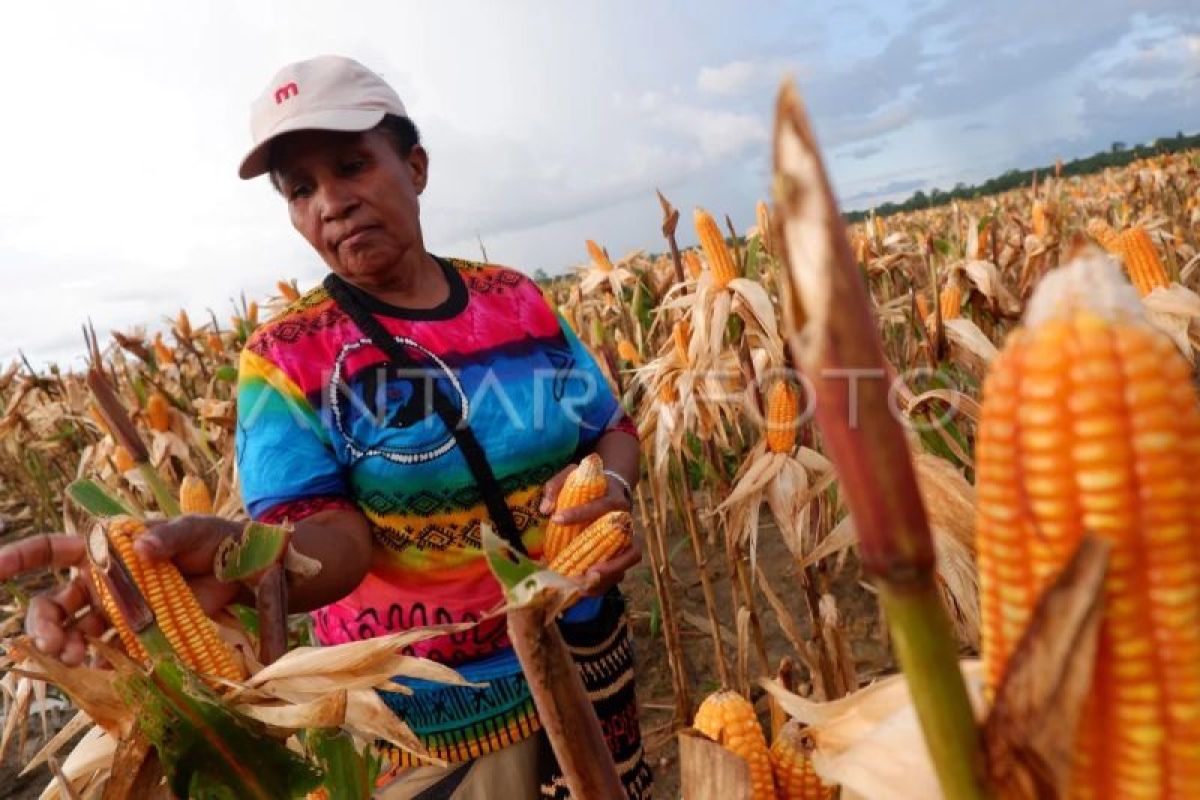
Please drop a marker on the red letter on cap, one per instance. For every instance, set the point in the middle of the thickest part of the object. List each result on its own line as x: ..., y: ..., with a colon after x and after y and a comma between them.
x: 286, y: 91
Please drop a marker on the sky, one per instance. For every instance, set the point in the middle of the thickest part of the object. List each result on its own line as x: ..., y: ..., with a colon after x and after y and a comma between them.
x: 547, y: 124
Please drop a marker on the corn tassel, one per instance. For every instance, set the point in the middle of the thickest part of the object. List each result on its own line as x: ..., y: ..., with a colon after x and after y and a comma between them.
x: 158, y: 412
x: 728, y: 719
x: 1141, y: 260
x: 194, y: 497
x: 162, y: 353
x: 287, y: 291
x: 175, y: 608
x: 214, y: 342
x: 183, y: 325
x: 720, y: 259
x: 783, y: 410
x: 763, y: 218
x: 599, y: 542
x: 1090, y: 423
x: 586, y: 483
x: 795, y: 778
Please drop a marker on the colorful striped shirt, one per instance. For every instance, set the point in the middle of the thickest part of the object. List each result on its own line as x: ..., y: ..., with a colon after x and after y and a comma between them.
x: 325, y: 422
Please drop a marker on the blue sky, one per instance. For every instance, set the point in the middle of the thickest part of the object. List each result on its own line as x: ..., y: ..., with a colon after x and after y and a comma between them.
x: 547, y: 124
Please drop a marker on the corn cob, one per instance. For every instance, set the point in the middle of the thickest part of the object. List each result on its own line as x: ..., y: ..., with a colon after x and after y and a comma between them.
x: 123, y: 459
x: 728, y: 719
x: 681, y: 337
x: 1103, y: 233
x: 287, y: 291
x: 586, y: 483
x: 1038, y: 215
x: 1141, y: 260
x: 175, y: 608
x: 720, y: 259
x: 950, y: 301
x: 692, y: 262
x: 183, y: 325
x: 795, y: 778
x: 599, y: 542
x: 162, y: 353
x: 763, y: 219
x: 667, y: 393
x: 922, y: 306
x: 158, y: 413
x: 1090, y: 423
x: 214, y: 342
x: 627, y: 351
x: 783, y: 408
x: 194, y: 497
x: 252, y: 314
x: 599, y: 257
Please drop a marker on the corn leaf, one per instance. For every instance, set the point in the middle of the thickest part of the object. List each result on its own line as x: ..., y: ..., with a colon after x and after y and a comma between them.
x: 260, y: 548
x: 96, y: 500
x: 349, y: 773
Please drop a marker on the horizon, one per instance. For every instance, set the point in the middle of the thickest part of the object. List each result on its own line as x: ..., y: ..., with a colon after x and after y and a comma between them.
x: 546, y: 127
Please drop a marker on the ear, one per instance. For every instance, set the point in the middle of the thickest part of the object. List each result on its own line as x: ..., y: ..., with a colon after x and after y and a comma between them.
x: 418, y: 164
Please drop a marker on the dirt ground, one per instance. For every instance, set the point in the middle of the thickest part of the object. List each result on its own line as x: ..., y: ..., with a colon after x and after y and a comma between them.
x: 856, y: 605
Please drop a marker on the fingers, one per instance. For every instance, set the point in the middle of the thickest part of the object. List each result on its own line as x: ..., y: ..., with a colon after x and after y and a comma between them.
x: 49, y: 615
x: 212, y: 594
x: 41, y: 551
x: 603, y: 576
x: 553, y: 487
x: 591, y: 511
x: 74, y: 649
x: 190, y: 541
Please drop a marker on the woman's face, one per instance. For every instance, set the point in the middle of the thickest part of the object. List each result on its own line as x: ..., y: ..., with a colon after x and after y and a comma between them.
x: 354, y: 198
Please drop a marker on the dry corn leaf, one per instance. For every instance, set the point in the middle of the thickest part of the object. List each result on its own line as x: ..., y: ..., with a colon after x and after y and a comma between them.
x: 709, y: 771
x: 78, y: 723
x: 91, y: 758
x: 327, y: 711
x: 1030, y: 732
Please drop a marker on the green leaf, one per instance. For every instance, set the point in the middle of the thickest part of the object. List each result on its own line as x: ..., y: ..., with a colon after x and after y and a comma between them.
x: 207, y: 749
x: 510, y: 567
x: 96, y: 500
x: 247, y: 617
x: 227, y: 373
x: 349, y: 774
x: 261, y: 547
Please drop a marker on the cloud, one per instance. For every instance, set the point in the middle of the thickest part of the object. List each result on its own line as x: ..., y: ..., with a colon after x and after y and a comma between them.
x: 894, y: 190
x: 728, y: 78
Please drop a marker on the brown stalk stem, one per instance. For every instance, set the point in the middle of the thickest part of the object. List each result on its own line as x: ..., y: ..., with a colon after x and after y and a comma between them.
x: 270, y: 599
x: 710, y: 601
x: 657, y: 550
x: 563, y: 707
x: 841, y: 352
x: 670, y: 220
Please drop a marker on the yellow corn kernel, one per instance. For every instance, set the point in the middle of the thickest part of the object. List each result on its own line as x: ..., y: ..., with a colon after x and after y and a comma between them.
x: 214, y: 342
x: 175, y: 608
x: 783, y: 411
x: 183, y: 325
x: 252, y: 314
x: 923, y: 309
x: 795, y: 778
x: 194, y: 497
x: 1038, y: 216
x: 681, y: 338
x: 720, y: 259
x: 162, y: 353
x: 586, y: 483
x: 667, y: 393
x: 599, y: 542
x: 729, y: 720
x: 1141, y: 260
x: 599, y: 257
x: 692, y: 262
x: 1090, y: 423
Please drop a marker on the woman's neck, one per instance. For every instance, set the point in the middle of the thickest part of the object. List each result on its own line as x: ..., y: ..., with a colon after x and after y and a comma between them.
x: 415, y: 282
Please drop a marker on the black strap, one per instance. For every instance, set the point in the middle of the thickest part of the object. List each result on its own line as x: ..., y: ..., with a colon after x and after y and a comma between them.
x: 447, y: 409
x: 445, y: 787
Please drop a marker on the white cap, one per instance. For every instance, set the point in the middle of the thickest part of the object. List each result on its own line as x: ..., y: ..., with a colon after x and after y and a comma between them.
x: 329, y: 93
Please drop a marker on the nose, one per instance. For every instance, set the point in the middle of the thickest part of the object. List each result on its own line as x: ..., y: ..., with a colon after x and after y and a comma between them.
x: 335, y: 201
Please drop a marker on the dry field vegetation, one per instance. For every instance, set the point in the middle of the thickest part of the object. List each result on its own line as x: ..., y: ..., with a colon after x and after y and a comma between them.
x: 754, y: 565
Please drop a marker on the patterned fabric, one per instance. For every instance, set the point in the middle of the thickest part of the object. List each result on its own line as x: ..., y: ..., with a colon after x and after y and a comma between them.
x: 324, y: 422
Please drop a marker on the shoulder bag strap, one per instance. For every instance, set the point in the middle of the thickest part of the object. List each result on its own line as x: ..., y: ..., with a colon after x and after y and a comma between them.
x: 449, y: 411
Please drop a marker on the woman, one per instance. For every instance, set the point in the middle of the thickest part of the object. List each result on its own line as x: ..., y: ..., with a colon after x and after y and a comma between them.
x: 352, y: 438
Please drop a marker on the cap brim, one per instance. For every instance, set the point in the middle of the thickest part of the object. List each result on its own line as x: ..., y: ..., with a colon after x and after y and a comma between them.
x: 256, y: 161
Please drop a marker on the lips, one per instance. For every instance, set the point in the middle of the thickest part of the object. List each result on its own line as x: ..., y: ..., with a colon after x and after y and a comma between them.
x: 351, y: 235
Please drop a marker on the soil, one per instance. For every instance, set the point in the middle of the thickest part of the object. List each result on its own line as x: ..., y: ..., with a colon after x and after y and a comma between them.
x: 856, y: 605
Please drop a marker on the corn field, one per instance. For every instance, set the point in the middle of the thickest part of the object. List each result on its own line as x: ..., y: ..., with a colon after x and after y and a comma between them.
x: 770, y: 606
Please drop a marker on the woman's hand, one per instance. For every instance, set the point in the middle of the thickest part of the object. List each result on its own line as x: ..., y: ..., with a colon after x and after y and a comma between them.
x: 51, y: 619
x: 607, y: 574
